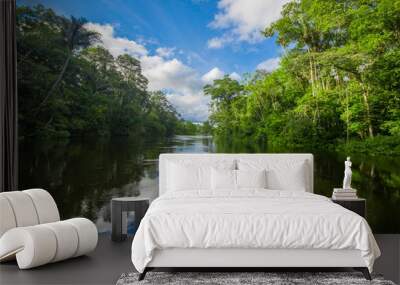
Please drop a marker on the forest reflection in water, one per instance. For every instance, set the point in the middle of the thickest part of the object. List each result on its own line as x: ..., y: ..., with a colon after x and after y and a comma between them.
x: 84, y: 174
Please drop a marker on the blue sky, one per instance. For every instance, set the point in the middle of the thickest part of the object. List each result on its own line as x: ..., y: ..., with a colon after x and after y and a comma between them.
x: 183, y: 44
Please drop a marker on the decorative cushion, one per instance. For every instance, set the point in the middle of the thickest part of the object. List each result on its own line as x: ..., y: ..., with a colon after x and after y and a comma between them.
x: 251, y: 178
x: 223, y: 179
x: 231, y: 180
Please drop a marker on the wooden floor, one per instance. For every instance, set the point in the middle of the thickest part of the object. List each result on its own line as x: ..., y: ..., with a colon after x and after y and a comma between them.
x: 110, y: 260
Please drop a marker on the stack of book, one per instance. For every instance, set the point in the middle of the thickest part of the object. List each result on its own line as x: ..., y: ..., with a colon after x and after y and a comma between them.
x: 344, y: 194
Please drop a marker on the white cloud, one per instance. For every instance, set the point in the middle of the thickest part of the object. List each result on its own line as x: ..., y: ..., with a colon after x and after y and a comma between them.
x: 193, y: 106
x: 116, y: 45
x: 243, y: 20
x: 170, y: 74
x: 183, y: 85
x: 212, y: 75
x: 219, y: 42
x: 192, y: 56
x: 165, y: 52
x: 235, y: 76
x: 216, y: 73
x: 215, y: 43
x: 269, y: 65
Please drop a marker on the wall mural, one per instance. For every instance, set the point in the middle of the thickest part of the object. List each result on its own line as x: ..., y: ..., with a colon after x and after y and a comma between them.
x: 104, y: 91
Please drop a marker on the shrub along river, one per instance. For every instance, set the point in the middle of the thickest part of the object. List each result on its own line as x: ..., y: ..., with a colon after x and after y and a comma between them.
x: 84, y: 174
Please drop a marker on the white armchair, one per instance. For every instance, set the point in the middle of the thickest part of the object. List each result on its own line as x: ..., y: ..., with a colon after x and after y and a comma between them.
x: 31, y: 230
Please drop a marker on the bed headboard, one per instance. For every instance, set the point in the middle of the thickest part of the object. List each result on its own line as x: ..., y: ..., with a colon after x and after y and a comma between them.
x: 295, y: 157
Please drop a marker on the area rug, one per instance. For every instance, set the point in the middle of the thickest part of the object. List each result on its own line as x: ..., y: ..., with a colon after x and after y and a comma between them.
x: 244, y: 278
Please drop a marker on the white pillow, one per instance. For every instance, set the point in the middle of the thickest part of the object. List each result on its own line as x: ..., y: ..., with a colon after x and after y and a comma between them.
x: 182, y: 177
x: 280, y: 174
x: 193, y: 174
x: 251, y: 178
x: 292, y: 179
x: 223, y: 179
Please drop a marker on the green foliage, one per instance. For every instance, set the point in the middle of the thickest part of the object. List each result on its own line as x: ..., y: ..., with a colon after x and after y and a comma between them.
x: 338, y: 81
x: 162, y: 116
x: 379, y: 145
x: 189, y: 128
x: 69, y: 86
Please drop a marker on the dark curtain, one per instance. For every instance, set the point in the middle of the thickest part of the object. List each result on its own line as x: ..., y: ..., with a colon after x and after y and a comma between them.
x: 8, y: 98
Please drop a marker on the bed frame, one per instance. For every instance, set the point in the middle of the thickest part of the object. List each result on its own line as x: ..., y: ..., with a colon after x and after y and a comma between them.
x: 243, y: 259
x: 247, y: 258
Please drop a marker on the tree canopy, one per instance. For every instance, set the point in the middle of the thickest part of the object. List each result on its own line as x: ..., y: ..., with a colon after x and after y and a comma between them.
x: 69, y: 85
x: 338, y: 79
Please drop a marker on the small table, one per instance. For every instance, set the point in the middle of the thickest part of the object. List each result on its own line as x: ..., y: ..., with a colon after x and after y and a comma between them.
x: 357, y: 205
x: 119, y: 214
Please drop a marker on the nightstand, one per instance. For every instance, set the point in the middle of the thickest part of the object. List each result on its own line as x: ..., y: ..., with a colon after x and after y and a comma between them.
x: 119, y: 211
x: 358, y: 206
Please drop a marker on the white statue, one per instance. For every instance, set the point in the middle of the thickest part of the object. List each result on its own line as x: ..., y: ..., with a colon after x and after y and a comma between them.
x: 347, y: 174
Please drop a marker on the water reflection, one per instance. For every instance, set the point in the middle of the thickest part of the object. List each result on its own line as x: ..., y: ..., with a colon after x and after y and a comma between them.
x: 83, y: 175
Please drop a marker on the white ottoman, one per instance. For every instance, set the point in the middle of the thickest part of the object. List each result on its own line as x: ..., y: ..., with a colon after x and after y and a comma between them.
x: 31, y: 232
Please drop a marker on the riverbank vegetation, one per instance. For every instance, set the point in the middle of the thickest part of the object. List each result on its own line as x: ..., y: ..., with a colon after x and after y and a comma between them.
x: 337, y: 86
x: 190, y: 128
x: 70, y: 86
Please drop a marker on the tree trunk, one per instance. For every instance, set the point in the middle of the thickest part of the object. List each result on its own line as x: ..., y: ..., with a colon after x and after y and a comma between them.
x: 347, y: 117
x: 367, y: 109
x: 260, y: 108
x: 55, y: 84
x: 312, y: 79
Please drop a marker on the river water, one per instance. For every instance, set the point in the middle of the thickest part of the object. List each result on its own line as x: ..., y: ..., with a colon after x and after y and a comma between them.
x: 84, y: 174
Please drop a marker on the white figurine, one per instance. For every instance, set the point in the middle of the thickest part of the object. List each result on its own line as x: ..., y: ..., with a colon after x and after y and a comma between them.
x: 347, y: 174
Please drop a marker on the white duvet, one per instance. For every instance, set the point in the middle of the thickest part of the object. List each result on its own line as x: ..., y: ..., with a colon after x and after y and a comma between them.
x: 250, y: 219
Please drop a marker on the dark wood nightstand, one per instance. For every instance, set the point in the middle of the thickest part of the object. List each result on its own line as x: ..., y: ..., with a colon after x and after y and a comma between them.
x: 358, y: 206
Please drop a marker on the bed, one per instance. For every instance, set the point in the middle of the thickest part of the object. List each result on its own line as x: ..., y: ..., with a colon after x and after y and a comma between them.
x: 247, y: 210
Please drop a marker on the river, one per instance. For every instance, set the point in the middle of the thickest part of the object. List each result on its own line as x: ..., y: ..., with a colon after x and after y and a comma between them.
x: 84, y: 174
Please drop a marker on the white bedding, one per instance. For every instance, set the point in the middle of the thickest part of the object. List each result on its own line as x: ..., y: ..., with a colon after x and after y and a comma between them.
x: 250, y: 219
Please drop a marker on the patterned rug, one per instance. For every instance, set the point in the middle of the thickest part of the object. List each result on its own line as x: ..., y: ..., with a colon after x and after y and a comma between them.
x: 243, y: 278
